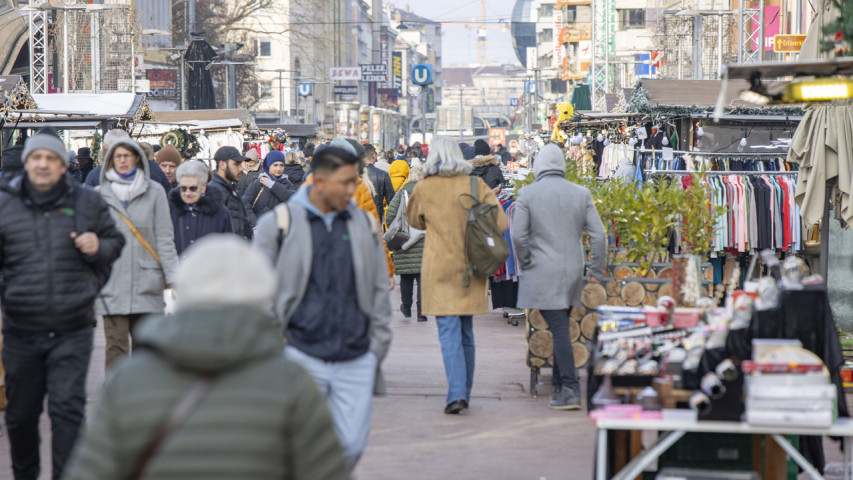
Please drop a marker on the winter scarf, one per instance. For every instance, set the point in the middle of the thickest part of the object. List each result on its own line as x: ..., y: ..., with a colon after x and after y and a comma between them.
x: 126, y: 186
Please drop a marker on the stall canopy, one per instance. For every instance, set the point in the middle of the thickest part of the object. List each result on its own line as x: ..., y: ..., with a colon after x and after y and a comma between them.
x: 81, y: 111
x: 209, y: 120
x: 699, y: 93
x: 303, y: 130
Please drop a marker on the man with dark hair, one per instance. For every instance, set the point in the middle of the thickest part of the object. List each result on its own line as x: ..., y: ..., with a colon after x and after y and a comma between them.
x: 57, y: 246
x: 334, y: 304
x: 229, y: 170
x: 383, y: 189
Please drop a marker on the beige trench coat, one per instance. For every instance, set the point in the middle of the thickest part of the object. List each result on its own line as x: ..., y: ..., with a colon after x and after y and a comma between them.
x: 434, y: 206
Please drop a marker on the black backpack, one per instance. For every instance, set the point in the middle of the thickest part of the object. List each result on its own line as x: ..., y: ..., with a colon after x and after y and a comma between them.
x: 486, y: 249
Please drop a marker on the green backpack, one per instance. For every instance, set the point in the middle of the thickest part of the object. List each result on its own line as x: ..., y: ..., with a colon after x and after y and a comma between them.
x: 486, y: 249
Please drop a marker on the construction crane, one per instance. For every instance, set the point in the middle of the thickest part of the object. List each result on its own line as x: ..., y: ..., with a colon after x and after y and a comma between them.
x: 481, y: 31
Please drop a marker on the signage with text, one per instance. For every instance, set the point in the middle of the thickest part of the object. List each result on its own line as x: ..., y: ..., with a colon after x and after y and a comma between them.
x: 374, y: 72
x: 345, y: 73
x: 397, y: 72
x: 788, y: 43
x: 497, y: 136
x: 346, y: 90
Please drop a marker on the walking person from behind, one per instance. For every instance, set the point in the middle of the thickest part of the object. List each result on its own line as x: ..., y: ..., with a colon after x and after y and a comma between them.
x: 407, y: 261
x: 550, y: 218
x: 271, y: 188
x: 57, y: 245
x: 293, y: 168
x: 435, y: 207
x: 383, y: 188
x: 334, y: 301
x: 195, y: 211
x: 229, y: 170
x: 256, y: 414
x: 147, y: 265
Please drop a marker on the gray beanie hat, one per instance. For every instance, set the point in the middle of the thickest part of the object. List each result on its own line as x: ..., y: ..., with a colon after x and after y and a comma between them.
x: 45, y: 141
x: 549, y: 159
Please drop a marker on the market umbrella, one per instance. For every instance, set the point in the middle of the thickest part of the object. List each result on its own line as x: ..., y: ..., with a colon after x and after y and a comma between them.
x: 823, y: 142
x: 199, y: 58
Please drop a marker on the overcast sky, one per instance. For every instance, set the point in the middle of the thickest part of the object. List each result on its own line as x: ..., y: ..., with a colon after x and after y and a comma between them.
x: 459, y: 43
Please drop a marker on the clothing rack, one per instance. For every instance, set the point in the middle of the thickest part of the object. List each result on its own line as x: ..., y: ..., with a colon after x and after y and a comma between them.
x: 716, y: 154
x: 722, y: 172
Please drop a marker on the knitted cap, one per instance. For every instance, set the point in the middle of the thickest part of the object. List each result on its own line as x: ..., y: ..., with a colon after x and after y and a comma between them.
x: 482, y: 148
x: 45, y: 141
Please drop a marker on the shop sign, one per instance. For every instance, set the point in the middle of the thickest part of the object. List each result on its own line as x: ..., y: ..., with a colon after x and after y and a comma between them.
x: 497, y: 136
x: 566, y: 3
x: 162, y: 78
x: 346, y: 90
x: 788, y: 43
x: 374, y: 72
x: 558, y: 47
x: 345, y: 73
x: 397, y: 72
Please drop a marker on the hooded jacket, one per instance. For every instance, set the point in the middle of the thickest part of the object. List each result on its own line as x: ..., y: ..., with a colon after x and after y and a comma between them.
x: 259, y: 199
x: 549, y: 220
x: 487, y: 168
x: 399, y: 173
x: 247, y: 179
x: 295, y: 173
x: 207, y: 216
x: 137, y: 281
x: 405, y: 261
x: 383, y: 189
x: 48, y: 284
x: 93, y: 177
x: 262, y: 418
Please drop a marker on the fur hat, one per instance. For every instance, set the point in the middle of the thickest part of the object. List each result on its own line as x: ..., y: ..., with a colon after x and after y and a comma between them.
x: 168, y: 154
x: 239, y: 275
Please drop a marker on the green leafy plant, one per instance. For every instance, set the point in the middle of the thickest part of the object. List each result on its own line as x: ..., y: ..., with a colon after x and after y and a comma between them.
x: 96, y: 145
x: 838, y: 35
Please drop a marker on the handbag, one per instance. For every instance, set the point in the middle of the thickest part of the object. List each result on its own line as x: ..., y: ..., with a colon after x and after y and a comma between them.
x: 398, y: 232
x: 415, y: 234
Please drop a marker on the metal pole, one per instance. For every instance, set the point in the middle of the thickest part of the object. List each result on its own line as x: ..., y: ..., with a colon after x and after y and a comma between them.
x: 183, y: 81
x: 280, y: 98
x: 698, y: 73
x: 93, y: 36
x: 423, y: 112
x: 740, y: 45
x: 760, y: 41
x: 132, y: 68
x: 461, y: 112
x: 191, y: 15
x: 232, y: 86
x: 719, y: 46
x: 66, y: 81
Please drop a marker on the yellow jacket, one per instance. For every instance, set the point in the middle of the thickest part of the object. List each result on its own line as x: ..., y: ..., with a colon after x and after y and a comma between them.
x: 399, y: 172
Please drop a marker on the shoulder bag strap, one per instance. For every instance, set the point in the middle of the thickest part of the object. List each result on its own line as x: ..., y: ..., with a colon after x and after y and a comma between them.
x: 147, y: 246
x: 468, y: 271
x: 180, y: 412
x: 260, y: 192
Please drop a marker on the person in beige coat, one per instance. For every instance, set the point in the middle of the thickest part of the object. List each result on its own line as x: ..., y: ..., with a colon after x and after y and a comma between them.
x: 435, y: 207
x: 135, y: 288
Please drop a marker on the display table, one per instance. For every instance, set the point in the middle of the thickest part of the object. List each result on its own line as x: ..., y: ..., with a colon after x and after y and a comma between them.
x: 843, y: 427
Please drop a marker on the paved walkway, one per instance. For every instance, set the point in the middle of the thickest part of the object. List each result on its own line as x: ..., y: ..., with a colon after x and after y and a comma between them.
x: 506, y: 434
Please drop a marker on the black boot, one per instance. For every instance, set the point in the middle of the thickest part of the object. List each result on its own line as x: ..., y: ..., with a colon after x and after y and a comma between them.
x: 421, y: 317
x: 406, y: 309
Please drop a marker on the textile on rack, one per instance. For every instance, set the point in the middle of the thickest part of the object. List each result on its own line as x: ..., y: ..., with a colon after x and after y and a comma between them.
x: 504, y: 284
x: 612, y: 157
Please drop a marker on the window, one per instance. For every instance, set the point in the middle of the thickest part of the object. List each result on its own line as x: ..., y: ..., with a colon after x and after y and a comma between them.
x: 546, y: 36
x: 266, y: 89
x: 546, y: 10
x: 264, y: 48
x: 631, y: 18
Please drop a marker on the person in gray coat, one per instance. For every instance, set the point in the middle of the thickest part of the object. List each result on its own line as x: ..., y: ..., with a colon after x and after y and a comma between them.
x: 139, y: 276
x: 550, y: 218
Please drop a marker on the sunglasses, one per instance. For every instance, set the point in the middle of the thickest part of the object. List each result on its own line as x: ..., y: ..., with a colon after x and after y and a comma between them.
x: 193, y: 188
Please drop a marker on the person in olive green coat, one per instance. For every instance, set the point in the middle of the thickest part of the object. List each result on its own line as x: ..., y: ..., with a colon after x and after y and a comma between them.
x: 262, y: 417
x: 407, y: 263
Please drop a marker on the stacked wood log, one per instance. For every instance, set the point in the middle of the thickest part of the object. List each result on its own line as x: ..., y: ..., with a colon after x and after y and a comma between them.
x: 622, y: 287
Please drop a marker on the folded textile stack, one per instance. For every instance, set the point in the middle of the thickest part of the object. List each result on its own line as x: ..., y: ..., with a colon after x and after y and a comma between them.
x: 788, y: 386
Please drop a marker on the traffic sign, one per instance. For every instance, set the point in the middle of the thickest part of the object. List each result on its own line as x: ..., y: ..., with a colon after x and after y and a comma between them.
x: 422, y: 74
x: 513, y: 145
x: 305, y: 89
x: 788, y: 43
x: 513, y: 102
x: 531, y: 87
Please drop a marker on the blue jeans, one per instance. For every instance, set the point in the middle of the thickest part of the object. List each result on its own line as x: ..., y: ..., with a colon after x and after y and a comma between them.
x: 456, y: 334
x: 45, y: 365
x: 348, y: 390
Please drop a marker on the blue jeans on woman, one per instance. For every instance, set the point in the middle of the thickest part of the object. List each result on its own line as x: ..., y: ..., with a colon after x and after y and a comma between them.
x: 456, y: 334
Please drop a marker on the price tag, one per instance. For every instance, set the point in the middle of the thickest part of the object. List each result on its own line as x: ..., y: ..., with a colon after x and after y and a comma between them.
x: 641, y: 133
x: 667, y: 153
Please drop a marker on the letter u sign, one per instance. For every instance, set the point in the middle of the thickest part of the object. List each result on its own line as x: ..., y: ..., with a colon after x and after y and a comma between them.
x: 422, y: 74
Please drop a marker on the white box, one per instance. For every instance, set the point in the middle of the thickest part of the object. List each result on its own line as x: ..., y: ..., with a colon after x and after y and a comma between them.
x: 821, y: 419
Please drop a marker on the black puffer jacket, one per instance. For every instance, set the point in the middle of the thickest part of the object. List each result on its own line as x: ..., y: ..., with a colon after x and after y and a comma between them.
x: 487, y: 168
x: 239, y: 219
x: 384, y: 188
x: 295, y: 173
x: 259, y: 200
x: 247, y: 180
x: 48, y: 284
x: 207, y: 216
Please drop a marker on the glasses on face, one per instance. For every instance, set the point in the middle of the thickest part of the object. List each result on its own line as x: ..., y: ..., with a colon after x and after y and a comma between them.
x: 192, y: 188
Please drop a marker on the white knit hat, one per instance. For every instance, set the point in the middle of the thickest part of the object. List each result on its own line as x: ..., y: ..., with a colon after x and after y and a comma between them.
x: 222, y: 269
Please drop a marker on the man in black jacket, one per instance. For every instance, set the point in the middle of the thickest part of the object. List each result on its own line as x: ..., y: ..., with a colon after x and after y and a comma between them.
x: 229, y: 170
x: 57, y: 245
x: 383, y: 188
